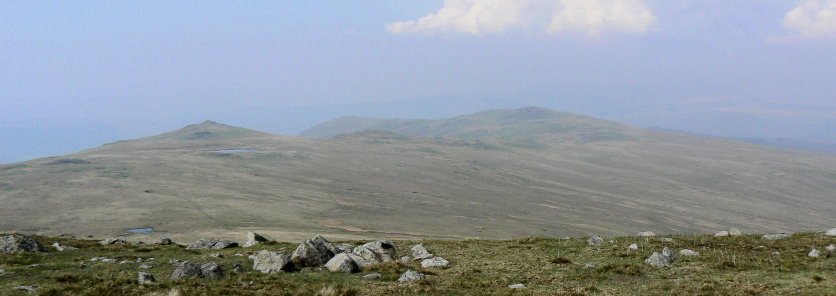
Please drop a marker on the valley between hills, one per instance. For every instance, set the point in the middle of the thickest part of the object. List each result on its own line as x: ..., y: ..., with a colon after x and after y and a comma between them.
x: 497, y: 174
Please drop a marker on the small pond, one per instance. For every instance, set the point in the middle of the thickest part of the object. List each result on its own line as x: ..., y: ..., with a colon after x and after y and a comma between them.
x: 232, y: 151
x: 145, y: 230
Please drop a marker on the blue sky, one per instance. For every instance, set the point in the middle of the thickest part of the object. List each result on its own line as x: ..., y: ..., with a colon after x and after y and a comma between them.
x: 674, y: 64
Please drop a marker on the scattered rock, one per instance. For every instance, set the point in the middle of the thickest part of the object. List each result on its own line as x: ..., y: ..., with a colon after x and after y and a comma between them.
x: 2, y: 272
x: 735, y: 232
x: 270, y: 262
x: 216, y: 255
x: 14, y: 243
x: 688, y: 253
x: 776, y: 236
x: 633, y: 247
x: 831, y: 247
x: 517, y: 286
x: 595, y: 241
x: 145, y: 278
x: 373, y: 276
x: 405, y: 259
x: 254, y: 239
x: 646, y: 234
x: 112, y: 241
x: 341, y: 262
x: 411, y: 275
x: 108, y: 260
x: 145, y: 266
x: 186, y: 270
x: 211, y: 271
x: 661, y: 259
x: 589, y: 265
x: 26, y: 288
x: 666, y: 239
x: 212, y: 243
x: 434, y: 262
x: 813, y: 254
x: 312, y: 252
x: 776, y: 253
x: 831, y: 232
x: 420, y: 252
x: 722, y: 233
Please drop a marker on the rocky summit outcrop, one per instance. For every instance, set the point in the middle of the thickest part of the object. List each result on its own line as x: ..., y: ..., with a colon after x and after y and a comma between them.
x: 342, y: 263
x: 212, y: 243
x: 254, y: 239
x: 270, y: 262
x: 313, y: 252
x: 14, y: 243
x: 190, y: 270
x: 661, y: 259
x: 373, y: 253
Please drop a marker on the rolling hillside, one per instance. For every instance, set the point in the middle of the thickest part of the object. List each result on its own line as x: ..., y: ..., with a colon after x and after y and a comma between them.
x: 494, y: 174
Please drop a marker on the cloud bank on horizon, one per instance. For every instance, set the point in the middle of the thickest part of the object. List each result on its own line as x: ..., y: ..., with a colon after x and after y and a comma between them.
x: 810, y: 19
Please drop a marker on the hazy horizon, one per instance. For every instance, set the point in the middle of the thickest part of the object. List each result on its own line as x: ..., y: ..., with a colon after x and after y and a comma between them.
x: 78, y: 74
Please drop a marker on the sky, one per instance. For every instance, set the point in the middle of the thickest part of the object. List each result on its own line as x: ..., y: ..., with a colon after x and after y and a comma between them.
x: 729, y: 68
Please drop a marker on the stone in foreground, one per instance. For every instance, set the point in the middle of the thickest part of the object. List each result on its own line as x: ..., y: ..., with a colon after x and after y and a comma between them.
x: 411, y: 275
x: 776, y: 236
x: 312, y: 252
x: 814, y: 254
x: 434, y: 262
x: 14, y: 243
x: 420, y: 252
x: 186, y: 270
x: 661, y: 259
x: 341, y: 263
x: 516, y: 286
x: 254, y: 239
x: 211, y: 271
x: 270, y: 262
x: 595, y: 240
x: 373, y: 253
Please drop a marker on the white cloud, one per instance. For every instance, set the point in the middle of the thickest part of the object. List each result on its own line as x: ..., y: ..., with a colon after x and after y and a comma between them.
x: 598, y: 16
x: 812, y: 19
x: 494, y: 16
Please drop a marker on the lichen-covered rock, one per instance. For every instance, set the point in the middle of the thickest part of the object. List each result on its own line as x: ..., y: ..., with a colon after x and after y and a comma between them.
x: 341, y: 263
x: 14, y: 243
x: 434, y: 262
x: 814, y: 254
x: 735, y: 232
x: 270, y: 262
x: 411, y: 275
x: 254, y: 239
x: 145, y: 278
x: 312, y: 252
x: 373, y: 253
x: 722, y: 233
x: 688, y: 253
x: 419, y: 252
x: 633, y: 247
x: 339, y: 248
x: 212, y: 243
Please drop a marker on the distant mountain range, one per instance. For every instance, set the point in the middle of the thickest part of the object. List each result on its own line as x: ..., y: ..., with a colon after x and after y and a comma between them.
x: 493, y: 174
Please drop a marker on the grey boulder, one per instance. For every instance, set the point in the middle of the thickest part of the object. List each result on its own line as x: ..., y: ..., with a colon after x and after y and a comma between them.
x: 145, y: 278
x: 411, y: 275
x: 341, y: 263
x: 434, y: 262
x: 373, y: 253
x: 661, y: 259
x: 254, y: 239
x: 189, y: 270
x: 595, y: 240
x: 312, y: 252
x: 776, y: 236
x: 420, y: 252
x: 270, y: 262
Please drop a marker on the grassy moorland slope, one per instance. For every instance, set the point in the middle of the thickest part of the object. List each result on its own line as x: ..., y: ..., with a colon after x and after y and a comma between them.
x: 741, y: 265
x: 496, y: 174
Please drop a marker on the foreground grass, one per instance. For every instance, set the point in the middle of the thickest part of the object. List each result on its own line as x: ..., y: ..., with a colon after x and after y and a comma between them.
x: 742, y: 265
